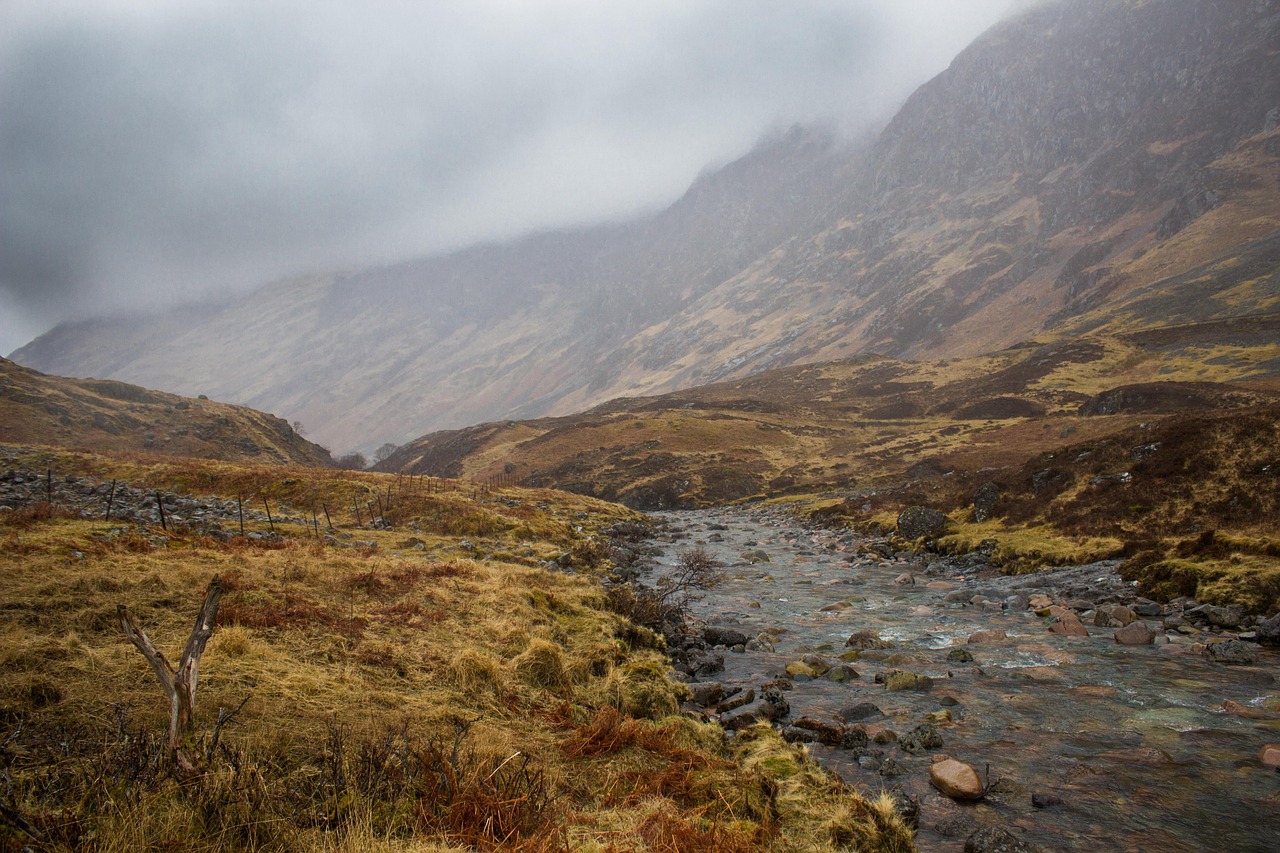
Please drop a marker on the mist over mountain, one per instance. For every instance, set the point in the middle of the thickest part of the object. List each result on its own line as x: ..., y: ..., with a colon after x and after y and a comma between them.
x: 1088, y: 164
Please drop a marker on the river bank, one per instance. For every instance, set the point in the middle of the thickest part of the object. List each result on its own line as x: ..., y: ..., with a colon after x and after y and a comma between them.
x: 1095, y: 719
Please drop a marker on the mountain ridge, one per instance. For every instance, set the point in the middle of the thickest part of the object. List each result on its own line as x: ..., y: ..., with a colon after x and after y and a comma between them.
x: 1066, y: 161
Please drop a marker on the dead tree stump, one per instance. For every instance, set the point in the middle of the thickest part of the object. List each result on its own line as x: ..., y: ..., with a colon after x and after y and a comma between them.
x: 179, y: 685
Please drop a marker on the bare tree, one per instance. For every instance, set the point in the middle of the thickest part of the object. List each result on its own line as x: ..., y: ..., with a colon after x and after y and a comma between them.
x: 695, y: 571
x: 663, y: 608
x: 179, y: 685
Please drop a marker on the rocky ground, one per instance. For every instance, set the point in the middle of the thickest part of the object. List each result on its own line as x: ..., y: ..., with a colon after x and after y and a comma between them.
x: 151, y: 513
x: 931, y: 675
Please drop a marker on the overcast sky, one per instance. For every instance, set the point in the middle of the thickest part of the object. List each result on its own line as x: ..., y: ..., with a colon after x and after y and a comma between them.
x: 153, y: 151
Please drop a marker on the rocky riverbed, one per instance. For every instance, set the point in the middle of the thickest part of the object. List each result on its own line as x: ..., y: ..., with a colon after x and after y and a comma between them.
x: 1052, y: 711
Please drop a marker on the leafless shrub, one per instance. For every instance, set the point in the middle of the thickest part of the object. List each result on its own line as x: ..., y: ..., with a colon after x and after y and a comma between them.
x: 696, y: 570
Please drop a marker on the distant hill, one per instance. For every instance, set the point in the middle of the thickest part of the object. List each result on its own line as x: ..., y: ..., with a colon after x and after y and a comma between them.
x: 106, y: 415
x: 1092, y: 165
x: 871, y: 422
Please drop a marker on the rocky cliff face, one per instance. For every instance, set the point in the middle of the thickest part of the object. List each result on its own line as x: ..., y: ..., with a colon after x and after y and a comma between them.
x: 1069, y: 168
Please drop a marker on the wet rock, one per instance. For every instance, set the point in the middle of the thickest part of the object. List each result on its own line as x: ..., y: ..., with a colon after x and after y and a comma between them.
x: 1039, y: 601
x: 717, y: 635
x: 907, y: 806
x: 1044, y: 801
x: 919, y: 522
x: 817, y: 664
x: 1269, y: 755
x: 890, y: 768
x: 826, y: 733
x: 1147, y: 609
x: 898, y: 680
x: 1235, y: 709
x: 1269, y: 630
x: 956, y: 779
x: 959, y: 656
x: 842, y: 673
x: 1135, y: 634
x: 737, y: 700
x: 1069, y: 625
x: 990, y: 636
x: 795, y: 734
x: 985, y: 501
x: 759, y: 711
x: 800, y: 669
x: 866, y: 638
x: 702, y: 663
x: 1222, y: 617
x: 1232, y: 652
x: 772, y: 693
x: 706, y: 693
x: 905, y: 579
x: 960, y: 826
x: 922, y: 738
x: 853, y: 737
x: 997, y: 840
x: 860, y: 711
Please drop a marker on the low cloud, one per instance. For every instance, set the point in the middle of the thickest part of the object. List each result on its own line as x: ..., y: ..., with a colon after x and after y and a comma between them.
x: 154, y: 152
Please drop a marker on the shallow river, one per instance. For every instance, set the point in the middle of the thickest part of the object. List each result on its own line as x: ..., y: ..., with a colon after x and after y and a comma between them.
x: 1129, y: 745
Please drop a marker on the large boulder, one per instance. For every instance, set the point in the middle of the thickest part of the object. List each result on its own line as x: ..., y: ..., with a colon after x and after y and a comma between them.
x: 985, y: 501
x: 921, y: 522
x: 719, y: 635
x: 1135, y: 634
x: 956, y: 779
x: 1232, y: 652
x: 1069, y: 625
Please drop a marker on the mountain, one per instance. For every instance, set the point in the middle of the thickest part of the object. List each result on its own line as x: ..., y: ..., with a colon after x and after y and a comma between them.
x: 106, y: 415
x: 1092, y: 165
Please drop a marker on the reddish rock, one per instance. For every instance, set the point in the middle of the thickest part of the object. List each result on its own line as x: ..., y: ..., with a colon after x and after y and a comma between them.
x: 1039, y: 601
x: 1122, y: 615
x: 1135, y: 634
x: 956, y: 779
x: 1069, y: 625
x: 993, y: 636
x: 1269, y: 755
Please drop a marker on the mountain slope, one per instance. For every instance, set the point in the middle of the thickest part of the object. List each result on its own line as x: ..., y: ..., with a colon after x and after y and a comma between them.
x: 867, y: 422
x: 1093, y: 164
x: 105, y: 415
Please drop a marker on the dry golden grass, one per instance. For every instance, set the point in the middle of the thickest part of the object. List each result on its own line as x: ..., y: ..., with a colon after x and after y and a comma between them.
x: 398, y: 699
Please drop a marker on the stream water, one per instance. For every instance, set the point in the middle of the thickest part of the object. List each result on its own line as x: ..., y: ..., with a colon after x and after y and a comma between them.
x: 1126, y: 748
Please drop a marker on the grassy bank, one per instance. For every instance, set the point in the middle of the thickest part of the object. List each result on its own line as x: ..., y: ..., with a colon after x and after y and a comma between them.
x: 433, y: 686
